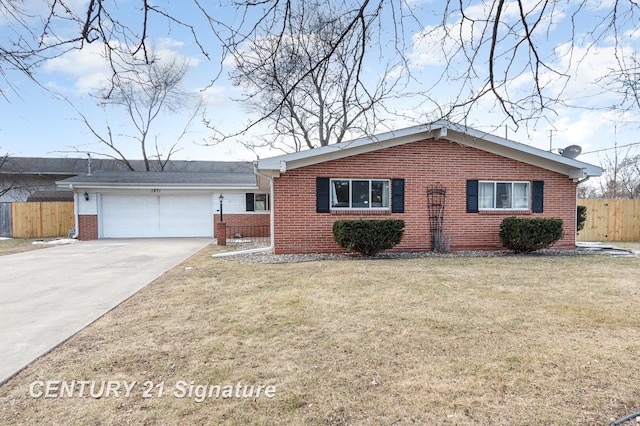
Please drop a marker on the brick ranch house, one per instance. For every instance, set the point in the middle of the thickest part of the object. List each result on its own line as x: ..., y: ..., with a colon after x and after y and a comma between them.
x: 486, y: 178
x: 295, y: 198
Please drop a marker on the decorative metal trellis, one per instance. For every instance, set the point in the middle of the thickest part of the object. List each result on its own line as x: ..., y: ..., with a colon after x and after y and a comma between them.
x: 436, y: 196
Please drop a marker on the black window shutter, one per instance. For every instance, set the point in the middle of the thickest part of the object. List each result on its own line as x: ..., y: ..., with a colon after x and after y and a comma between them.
x: 322, y: 195
x: 397, y: 195
x: 250, y: 202
x: 472, y: 196
x: 537, y: 203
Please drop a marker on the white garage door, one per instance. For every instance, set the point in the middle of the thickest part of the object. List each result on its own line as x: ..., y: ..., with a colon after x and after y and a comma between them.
x: 130, y: 216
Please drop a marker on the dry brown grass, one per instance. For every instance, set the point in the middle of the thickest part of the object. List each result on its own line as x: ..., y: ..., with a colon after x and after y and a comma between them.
x: 18, y: 245
x: 505, y: 340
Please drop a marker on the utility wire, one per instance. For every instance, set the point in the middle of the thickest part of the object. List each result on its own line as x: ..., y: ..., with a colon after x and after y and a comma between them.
x: 615, y: 147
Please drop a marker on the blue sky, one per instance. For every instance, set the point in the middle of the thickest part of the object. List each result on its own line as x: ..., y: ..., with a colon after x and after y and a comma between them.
x: 34, y: 123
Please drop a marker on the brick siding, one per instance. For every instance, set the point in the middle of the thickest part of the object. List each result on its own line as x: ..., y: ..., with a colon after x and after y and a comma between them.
x: 299, y: 229
x: 248, y: 225
x: 88, y: 227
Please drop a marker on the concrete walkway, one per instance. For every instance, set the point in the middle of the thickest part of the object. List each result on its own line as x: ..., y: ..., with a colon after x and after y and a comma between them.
x: 48, y: 295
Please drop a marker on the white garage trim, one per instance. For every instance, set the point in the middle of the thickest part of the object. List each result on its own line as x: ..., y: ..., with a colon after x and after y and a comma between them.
x: 155, y: 215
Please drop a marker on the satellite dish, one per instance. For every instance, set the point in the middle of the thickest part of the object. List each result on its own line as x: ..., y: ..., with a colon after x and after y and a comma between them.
x: 572, y: 151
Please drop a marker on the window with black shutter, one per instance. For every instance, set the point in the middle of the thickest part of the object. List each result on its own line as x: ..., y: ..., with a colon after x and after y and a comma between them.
x: 537, y: 204
x: 322, y: 195
x: 250, y: 205
x: 397, y: 196
x: 472, y: 196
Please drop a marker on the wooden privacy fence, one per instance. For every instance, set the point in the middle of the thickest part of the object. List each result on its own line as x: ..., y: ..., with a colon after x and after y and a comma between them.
x: 610, y: 220
x: 42, y: 219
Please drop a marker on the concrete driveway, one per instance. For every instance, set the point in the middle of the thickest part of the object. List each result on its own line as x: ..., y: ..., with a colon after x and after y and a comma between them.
x: 48, y: 295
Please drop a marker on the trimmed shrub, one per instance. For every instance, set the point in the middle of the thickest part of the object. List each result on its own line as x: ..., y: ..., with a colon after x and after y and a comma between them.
x: 582, y: 217
x: 368, y: 236
x: 528, y: 235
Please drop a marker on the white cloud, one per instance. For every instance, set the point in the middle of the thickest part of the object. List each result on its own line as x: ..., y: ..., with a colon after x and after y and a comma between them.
x: 452, y: 42
x: 89, y: 71
x: 87, y: 68
x: 441, y: 65
x: 217, y: 94
x: 167, y: 49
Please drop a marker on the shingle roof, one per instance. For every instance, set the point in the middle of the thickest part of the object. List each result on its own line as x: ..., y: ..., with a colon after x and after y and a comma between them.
x: 76, y: 166
x: 51, y: 196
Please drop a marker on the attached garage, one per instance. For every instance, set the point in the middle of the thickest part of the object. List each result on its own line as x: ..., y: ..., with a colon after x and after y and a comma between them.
x: 129, y: 216
x: 164, y: 204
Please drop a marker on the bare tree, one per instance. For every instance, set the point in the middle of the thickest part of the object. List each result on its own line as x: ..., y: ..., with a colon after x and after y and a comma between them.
x: 306, y: 101
x: 627, y: 82
x: 503, y: 52
x: 7, y: 184
x: 588, y: 190
x: 512, y: 54
x: 12, y: 178
x: 622, y: 176
x: 630, y: 177
x: 144, y: 92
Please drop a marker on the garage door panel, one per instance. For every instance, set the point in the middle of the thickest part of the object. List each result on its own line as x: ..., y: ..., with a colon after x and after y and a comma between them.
x: 128, y: 216
x: 156, y: 216
x: 182, y: 216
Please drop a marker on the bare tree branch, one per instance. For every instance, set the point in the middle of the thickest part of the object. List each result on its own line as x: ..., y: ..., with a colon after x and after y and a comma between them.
x: 12, y: 178
x: 153, y: 89
x: 307, y: 85
x: 504, y: 52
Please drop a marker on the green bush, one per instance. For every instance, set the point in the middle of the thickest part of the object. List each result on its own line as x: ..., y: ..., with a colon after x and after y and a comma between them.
x: 368, y: 237
x: 582, y: 217
x: 528, y: 235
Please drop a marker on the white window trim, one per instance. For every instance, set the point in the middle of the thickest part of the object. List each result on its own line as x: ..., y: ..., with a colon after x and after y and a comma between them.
x: 502, y: 209
x: 388, y: 208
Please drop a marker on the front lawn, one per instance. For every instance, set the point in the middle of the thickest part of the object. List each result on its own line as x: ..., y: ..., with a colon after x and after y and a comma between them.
x: 451, y: 340
x: 17, y: 245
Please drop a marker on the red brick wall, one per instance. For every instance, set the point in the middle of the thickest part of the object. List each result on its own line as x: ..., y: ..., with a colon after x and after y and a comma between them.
x: 88, y: 227
x: 299, y: 229
x: 219, y: 231
x: 248, y: 225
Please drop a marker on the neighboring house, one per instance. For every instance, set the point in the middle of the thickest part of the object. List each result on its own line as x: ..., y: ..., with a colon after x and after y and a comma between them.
x: 50, y: 196
x: 129, y: 204
x: 22, y: 176
x: 486, y: 178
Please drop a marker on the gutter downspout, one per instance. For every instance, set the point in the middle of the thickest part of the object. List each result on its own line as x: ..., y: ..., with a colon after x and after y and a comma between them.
x: 271, y: 224
x: 579, y: 182
x: 76, y: 209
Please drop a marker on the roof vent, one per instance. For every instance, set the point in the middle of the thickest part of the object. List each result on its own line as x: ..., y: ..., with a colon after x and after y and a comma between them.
x: 572, y: 151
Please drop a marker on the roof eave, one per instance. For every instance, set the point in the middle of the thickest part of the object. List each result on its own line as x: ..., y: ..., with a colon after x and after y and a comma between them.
x: 442, y: 129
x: 172, y: 186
